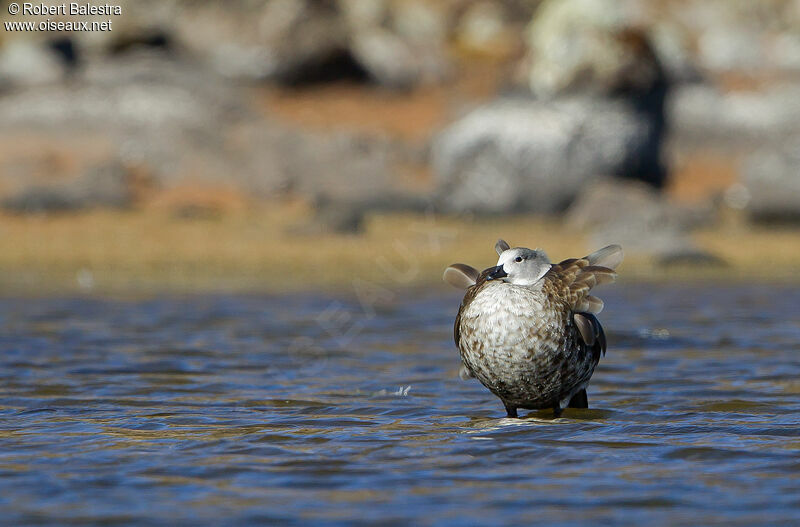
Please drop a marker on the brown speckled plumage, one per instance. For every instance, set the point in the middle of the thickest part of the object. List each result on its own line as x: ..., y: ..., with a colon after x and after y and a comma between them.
x: 536, y: 345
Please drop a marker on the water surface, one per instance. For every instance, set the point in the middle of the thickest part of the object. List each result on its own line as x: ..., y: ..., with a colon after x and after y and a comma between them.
x: 245, y: 409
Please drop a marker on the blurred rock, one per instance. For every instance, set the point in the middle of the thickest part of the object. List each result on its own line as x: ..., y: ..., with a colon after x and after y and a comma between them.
x: 346, y: 214
x: 160, y: 114
x: 303, y: 41
x: 141, y: 90
x: 595, y: 44
x: 673, y: 46
x: 104, y: 186
x: 637, y: 217
x: 343, y: 167
x: 306, y: 40
x: 589, y: 46
x: 700, y: 112
x: 386, y: 57
x: 336, y: 217
x: 145, y: 23
x: 608, y: 201
x: 486, y: 28
x: 772, y: 179
x: 749, y: 37
x: 29, y: 63
x: 349, y: 176
x: 326, y: 168
x: 729, y: 48
x: 601, y: 91
x: 599, y: 70
x: 423, y: 26
x: 295, y: 42
x: 239, y: 39
x: 523, y: 155
x: 178, y: 123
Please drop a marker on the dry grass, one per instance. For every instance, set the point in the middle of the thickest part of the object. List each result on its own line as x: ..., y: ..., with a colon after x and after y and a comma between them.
x: 258, y: 249
x: 763, y: 254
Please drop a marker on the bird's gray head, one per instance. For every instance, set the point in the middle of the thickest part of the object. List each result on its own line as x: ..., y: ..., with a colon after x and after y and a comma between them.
x: 521, y: 266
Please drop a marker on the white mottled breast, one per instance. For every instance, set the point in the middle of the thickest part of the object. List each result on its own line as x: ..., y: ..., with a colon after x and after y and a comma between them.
x: 515, y: 340
x: 504, y: 316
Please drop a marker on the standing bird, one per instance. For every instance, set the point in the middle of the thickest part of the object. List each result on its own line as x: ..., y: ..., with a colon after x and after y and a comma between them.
x: 527, y: 328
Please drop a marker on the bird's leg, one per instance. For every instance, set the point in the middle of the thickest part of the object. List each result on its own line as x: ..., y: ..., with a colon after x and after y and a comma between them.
x: 579, y: 400
x: 557, y: 410
x: 510, y: 410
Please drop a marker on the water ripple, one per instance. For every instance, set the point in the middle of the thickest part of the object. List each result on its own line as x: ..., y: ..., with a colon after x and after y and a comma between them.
x: 247, y: 409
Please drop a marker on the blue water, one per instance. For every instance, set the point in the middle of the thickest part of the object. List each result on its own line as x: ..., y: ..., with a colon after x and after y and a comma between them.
x: 318, y: 410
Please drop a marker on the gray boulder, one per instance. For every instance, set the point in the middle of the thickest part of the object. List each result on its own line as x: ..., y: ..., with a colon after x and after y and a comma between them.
x: 489, y: 28
x: 599, y: 111
x: 176, y: 123
x: 589, y: 46
x: 28, y: 63
x: 772, y: 180
x: 304, y: 41
x: 394, y: 44
x: 398, y: 44
x: 518, y: 155
x: 166, y: 117
x: 386, y: 57
x: 750, y: 37
x: 641, y: 220
x: 699, y: 112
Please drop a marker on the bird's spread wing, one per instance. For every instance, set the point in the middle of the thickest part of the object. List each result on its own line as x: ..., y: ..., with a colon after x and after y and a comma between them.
x: 574, y: 278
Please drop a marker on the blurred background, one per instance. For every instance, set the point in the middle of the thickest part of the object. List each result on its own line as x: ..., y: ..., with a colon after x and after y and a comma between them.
x: 201, y: 145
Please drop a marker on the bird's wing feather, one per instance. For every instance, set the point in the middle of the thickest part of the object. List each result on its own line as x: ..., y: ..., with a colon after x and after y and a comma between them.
x: 574, y: 278
x: 501, y: 246
x: 468, y: 297
x: 609, y: 256
x: 591, y: 333
x: 465, y: 373
x: 461, y: 275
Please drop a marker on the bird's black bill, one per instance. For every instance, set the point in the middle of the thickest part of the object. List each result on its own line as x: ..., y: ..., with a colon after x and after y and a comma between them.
x: 496, y: 273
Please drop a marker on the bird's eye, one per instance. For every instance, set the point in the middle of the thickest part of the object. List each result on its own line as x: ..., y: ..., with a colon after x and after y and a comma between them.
x: 518, y: 259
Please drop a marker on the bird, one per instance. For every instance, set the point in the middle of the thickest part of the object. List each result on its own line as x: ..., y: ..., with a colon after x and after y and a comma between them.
x: 527, y: 328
